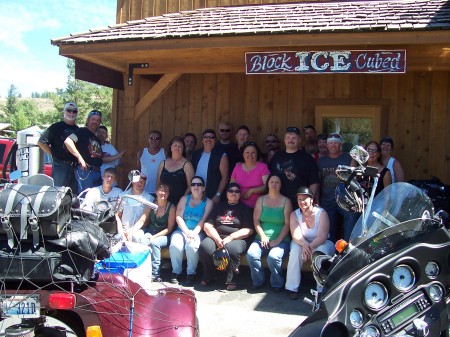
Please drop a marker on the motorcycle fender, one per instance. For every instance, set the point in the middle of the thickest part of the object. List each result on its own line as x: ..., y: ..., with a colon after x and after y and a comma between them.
x: 312, y: 326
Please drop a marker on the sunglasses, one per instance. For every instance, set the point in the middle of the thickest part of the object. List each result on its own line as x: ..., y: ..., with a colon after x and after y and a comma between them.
x: 225, y: 130
x: 271, y: 141
x: 372, y: 150
x: 155, y: 138
x: 249, y: 144
x: 334, y: 135
x: 74, y: 111
x: 197, y: 184
x: 234, y: 191
x: 293, y: 129
x: 209, y: 137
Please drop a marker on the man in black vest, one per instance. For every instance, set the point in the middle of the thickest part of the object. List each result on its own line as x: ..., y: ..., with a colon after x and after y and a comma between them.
x: 211, y: 164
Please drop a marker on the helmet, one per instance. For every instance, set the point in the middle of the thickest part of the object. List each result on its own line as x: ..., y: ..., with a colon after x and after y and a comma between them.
x: 348, y: 199
x: 221, y: 258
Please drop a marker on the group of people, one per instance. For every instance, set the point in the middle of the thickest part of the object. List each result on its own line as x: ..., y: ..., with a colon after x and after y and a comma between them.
x: 224, y: 194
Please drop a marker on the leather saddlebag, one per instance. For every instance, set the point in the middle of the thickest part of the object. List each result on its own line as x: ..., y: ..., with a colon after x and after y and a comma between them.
x: 32, y: 212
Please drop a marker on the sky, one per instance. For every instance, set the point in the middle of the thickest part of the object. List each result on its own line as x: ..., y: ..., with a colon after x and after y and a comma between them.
x: 27, y: 58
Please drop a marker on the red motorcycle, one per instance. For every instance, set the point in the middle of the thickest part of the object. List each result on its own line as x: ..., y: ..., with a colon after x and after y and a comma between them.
x: 50, y: 283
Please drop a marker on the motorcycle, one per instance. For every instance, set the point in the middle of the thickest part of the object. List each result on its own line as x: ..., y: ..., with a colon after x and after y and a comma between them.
x: 57, y: 276
x: 392, y: 277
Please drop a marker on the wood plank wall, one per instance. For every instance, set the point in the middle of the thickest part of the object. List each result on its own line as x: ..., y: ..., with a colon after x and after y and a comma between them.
x: 418, y: 110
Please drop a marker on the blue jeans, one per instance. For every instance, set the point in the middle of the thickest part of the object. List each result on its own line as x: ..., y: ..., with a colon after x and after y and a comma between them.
x: 178, y: 244
x: 350, y: 219
x: 64, y: 175
x: 274, y: 261
x: 156, y: 244
x: 87, y: 179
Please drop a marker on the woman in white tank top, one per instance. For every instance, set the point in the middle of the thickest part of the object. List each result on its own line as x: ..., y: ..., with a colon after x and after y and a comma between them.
x: 310, y: 231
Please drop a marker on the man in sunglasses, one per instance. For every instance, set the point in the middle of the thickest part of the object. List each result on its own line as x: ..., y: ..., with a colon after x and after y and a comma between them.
x: 212, y: 165
x: 226, y: 144
x: 149, y: 158
x: 341, y: 221
x: 52, y: 143
x: 295, y: 167
x: 86, y: 147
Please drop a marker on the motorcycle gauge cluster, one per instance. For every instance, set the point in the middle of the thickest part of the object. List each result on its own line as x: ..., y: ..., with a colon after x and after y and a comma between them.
x: 403, y: 277
x: 432, y: 269
x: 375, y: 295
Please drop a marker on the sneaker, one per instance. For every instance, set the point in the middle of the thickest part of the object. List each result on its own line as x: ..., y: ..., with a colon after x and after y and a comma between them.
x: 190, y: 280
x: 174, y: 278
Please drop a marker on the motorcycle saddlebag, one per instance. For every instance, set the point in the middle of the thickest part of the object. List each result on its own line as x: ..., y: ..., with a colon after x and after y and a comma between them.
x: 32, y: 212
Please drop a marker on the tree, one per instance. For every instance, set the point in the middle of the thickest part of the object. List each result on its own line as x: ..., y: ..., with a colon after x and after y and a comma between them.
x: 86, y: 95
x: 11, y: 100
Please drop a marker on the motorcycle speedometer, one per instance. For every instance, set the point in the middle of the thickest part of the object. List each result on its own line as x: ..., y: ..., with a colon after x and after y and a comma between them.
x: 432, y: 269
x: 375, y: 295
x: 403, y: 277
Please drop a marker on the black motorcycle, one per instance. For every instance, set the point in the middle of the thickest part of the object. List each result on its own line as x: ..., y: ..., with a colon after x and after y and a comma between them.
x: 392, y: 278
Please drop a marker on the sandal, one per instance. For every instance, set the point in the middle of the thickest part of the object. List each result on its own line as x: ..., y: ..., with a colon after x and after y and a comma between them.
x: 231, y: 286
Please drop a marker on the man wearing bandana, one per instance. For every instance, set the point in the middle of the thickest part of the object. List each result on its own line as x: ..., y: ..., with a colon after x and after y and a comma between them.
x: 86, y: 147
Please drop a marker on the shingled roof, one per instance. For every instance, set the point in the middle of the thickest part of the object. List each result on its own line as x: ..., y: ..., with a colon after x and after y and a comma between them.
x: 310, y: 17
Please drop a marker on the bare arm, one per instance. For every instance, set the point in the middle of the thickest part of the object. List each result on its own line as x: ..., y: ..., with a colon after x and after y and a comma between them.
x: 109, y: 159
x: 44, y: 147
x: 224, y: 166
x: 179, y: 215
x: 257, y: 223
x: 387, y: 179
x: 201, y: 223
x: 398, y: 172
x: 189, y: 172
x: 158, y: 175
x: 70, y: 144
x: 296, y: 232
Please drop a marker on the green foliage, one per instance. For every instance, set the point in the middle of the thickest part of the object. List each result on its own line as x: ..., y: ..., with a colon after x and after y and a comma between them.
x: 23, y: 113
x: 87, y: 96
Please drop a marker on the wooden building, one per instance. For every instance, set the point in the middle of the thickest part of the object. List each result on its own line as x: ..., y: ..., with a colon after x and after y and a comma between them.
x: 183, y: 68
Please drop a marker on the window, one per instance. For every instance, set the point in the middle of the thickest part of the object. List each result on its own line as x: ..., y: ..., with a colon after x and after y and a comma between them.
x: 357, y: 124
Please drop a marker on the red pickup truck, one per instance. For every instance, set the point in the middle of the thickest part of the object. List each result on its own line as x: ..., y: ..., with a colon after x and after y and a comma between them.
x: 8, y: 146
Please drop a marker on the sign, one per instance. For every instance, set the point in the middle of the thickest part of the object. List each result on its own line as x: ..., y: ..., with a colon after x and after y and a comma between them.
x: 326, y: 62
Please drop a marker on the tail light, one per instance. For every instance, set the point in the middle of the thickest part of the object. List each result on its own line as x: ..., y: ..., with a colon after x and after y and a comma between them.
x: 94, y: 331
x: 61, y: 301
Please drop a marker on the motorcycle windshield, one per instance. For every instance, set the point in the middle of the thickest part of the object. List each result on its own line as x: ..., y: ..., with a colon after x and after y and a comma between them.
x: 392, y: 222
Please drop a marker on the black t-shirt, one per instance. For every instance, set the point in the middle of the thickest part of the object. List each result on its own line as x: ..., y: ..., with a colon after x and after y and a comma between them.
x: 89, y: 147
x: 228, y: 218
x: 233, y: 153
x: 54, y: 136
x: 295, y: 170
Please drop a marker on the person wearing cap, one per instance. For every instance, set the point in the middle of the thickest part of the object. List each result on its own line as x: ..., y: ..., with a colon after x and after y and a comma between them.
x: 322, y: 145
x: 149, y: 159
x: 341, y: 221
x: 111, y: 157
x: 212, y: 165
x: 311, y: 141
x: 52, y: 143
x: 133, y: 215
x: 85, y: 146
x: 295, y: 167
x: 387, y: 148
x: 309, y: 226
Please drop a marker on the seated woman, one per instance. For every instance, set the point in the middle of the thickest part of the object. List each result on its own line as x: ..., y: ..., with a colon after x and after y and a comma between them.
x: 271, y: 221
x: 192, y: 211
x: 160, y: 225
x: 310, y: 231
x: 251, y: 175
x: 229, y: 225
